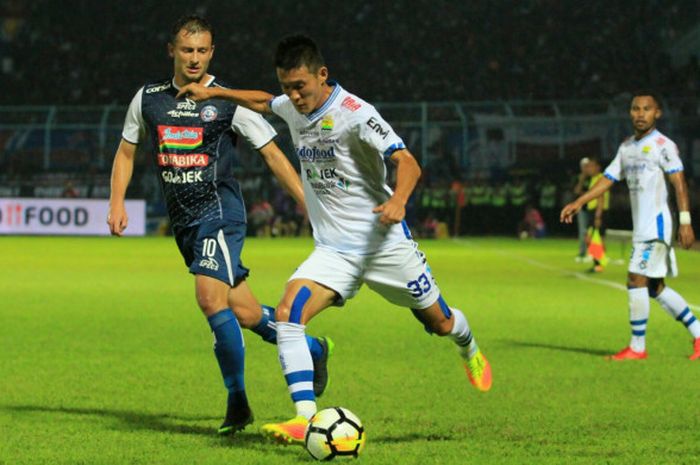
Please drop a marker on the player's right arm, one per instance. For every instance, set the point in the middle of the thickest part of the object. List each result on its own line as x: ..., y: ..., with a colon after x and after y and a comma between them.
x: 568, y: 212
x: 122, y: 169
x: 123, y: 166
x: 256, y: 100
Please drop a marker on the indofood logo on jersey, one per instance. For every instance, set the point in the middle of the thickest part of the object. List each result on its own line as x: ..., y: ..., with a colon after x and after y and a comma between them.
x: 179, y: 137
x: 314, y: 154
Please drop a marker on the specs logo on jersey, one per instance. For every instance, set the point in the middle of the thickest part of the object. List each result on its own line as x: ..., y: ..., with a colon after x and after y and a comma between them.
x: 179, y: 137
x: 313, y: 154
x: 209, y: 113
x: 209, y: 263
x: 376, y: 127
x: 187, y: 105
x: 327, y: 123
x: 646, y: 149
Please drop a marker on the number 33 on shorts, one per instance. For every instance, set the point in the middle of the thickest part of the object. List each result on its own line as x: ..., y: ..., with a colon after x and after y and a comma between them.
x: 420, y: 286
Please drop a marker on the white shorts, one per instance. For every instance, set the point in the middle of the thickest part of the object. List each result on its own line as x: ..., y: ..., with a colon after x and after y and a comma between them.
x: 653, y: 259
x: 400, y: 274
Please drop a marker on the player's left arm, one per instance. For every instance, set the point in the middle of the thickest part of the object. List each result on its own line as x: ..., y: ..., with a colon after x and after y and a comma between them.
x: 407, y: 174
x: 283, y: 171
x: 256, y: 100
x: 686, y: 236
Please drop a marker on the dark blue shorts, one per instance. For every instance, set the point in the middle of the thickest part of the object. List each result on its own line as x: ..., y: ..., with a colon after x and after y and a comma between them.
x: 214, y: 249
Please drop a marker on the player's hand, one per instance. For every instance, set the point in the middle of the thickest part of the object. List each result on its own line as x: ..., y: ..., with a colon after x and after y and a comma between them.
x: 117, y: 220
x: 568, y: 212
x: 392, y: 211
x: 194, y: 91
x: 686, y: 236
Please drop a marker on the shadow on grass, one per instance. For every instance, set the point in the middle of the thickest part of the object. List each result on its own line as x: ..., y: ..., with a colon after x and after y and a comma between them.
x: 561, y: 348
x: 166, y: 423
x: 412, y: 437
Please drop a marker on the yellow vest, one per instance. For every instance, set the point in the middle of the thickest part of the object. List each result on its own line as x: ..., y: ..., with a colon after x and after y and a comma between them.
x: 593, y: 204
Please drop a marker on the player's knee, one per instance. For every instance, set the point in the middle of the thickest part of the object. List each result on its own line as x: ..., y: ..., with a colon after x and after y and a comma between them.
x: 291, y: 309
x: 210, y: 303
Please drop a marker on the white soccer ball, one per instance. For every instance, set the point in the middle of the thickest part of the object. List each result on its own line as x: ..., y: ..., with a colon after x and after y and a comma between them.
x: 334, y: 432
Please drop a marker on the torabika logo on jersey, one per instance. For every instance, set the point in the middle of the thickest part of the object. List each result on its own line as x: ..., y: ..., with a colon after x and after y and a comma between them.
x: 208, y: 113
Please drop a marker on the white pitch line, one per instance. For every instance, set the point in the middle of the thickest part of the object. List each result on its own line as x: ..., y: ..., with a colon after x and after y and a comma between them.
x: 583, y: 277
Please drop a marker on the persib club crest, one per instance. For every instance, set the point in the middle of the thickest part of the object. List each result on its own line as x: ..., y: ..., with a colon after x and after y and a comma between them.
x: 327, y: 123
x: 208, y: 113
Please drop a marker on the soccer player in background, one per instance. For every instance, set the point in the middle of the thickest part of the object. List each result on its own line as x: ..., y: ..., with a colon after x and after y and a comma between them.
x: 193, y: 146
x: 342, y: 143
x: 646, y: 160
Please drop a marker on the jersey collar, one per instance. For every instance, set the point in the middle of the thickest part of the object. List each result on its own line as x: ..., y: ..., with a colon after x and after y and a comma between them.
x: 636, y: 142
x: 316, y: 114
x: 207, y: 84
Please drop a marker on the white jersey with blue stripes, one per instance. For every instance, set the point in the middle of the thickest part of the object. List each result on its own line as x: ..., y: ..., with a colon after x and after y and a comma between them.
x: 342, y: 147
x: 644, y: 164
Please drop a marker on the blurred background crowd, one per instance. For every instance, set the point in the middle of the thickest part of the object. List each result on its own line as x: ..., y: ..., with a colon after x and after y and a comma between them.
x: 88, y: 53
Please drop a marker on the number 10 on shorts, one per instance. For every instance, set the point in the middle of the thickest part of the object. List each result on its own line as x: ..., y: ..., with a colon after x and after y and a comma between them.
x: 209, y: 248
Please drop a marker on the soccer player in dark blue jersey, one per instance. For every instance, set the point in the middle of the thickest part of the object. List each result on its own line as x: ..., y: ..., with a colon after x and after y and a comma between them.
x: 193, y: 145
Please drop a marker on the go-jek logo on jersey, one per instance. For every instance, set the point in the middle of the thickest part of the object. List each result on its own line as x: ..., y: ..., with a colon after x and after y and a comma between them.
x: 185, y: 177
x: 179, y: 137
x: 183, y: 160
x: 323, y: 173
x: 313, y: 154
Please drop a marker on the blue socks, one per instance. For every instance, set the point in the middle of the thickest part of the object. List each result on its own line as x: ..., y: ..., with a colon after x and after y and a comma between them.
x: 230, y: 353
x: 267, y: 330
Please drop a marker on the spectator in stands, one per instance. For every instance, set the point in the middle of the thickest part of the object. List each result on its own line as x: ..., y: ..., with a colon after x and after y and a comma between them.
x: 69, y: 191
x: 260, y: 218
x: 532, y: 224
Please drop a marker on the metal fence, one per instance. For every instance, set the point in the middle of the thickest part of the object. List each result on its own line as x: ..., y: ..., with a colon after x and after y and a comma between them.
x: 476, y: 139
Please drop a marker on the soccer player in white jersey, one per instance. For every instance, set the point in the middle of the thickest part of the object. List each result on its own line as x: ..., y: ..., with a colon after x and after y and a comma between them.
x: 342, y: 143
x: 646, y: 160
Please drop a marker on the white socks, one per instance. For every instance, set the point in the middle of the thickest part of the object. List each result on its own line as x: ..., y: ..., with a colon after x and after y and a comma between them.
x: 677, y: 307
x: 297, y: 366
x: 462, y: 335
x: 639, y: 315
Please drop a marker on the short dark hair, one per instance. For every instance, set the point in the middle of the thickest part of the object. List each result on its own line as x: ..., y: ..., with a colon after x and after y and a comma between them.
x: 296, y: 51
x: 594, y: 160
x: 192, y: 24
x: 648, y: 93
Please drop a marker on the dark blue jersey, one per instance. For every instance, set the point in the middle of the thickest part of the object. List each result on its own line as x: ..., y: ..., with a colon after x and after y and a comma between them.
x: 194, y: 150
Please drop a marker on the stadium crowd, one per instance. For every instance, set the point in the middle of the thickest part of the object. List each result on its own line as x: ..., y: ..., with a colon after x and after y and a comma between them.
x: 102, y: 52
x: 386, y: 51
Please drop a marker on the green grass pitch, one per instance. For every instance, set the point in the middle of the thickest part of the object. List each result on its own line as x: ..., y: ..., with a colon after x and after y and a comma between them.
x: 105, y: 359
